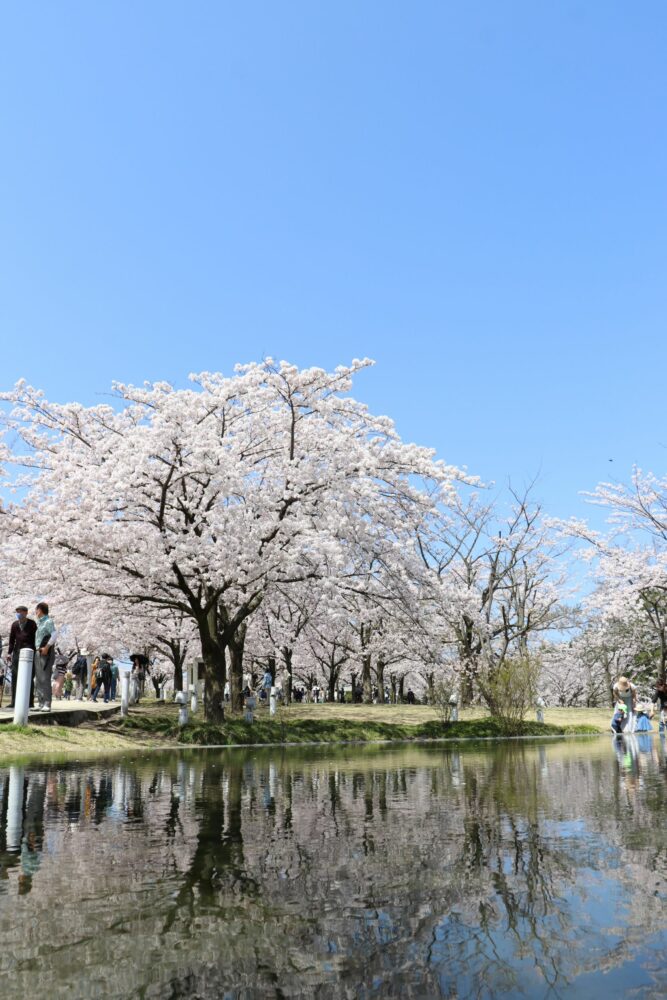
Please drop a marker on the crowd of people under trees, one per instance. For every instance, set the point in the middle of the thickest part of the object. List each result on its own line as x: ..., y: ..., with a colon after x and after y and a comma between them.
x: 79, y: 675
x: 269, y: 520
x: 56, y: 674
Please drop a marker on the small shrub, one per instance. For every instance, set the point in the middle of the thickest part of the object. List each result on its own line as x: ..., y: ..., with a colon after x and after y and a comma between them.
x: 440, y: 695
x: 511, y: 691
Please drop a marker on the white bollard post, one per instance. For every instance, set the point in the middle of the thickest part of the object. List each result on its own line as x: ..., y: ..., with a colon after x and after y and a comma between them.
x: 454, y: 707
x: 540, y: 709
x: 124, y: 693
x: 250, y: 709
x: 193, y: 699
x: 22, y: 681
x: 181, y: 700
x: 273, y: 700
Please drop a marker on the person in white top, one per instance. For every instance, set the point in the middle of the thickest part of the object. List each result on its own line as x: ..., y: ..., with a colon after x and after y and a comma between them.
x: 45, y: 651
x: 625, y: 691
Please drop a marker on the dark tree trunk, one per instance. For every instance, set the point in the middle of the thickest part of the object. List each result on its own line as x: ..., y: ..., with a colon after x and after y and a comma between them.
x: 271, y: 665
x: 392, y: 690
x: 379, y: 670
x: 401, y: 685
x: 236, y: 646
x: 178, y: 672
x: 215, y: 672
x: 468, y: 681
x: 469, y: 654
x: 287, y: 660
x: 214, y: 655
x: 177, y: 657
x: 367, y: 680
x: 606, y: 666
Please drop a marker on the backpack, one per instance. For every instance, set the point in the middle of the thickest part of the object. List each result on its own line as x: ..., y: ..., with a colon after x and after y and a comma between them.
x: 61, y: 661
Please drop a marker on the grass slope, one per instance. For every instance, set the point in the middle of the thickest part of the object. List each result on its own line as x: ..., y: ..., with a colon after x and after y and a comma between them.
x: 153, y: 724
x: 160, y: 722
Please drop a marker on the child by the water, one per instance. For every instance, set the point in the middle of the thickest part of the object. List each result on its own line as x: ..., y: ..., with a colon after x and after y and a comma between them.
x: 68, y: 684
x: 618, y: 718
x: 644, y: 713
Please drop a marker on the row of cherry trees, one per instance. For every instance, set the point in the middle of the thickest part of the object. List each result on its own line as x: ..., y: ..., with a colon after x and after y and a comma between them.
x: 269, y: 520
x: 624, y: 618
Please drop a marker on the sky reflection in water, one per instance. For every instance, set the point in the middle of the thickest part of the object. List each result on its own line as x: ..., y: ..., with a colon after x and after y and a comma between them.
x: 519, y: 870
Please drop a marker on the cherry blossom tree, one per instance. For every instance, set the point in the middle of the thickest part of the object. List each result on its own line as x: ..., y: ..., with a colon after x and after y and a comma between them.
x: 202, y: 501
x: 629, y: 564
x: 502, y: 580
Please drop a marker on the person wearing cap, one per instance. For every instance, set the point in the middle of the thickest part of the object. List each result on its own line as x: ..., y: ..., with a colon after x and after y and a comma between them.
x: 21, y: 636
x: 45, y: 654
x: 626, y: 692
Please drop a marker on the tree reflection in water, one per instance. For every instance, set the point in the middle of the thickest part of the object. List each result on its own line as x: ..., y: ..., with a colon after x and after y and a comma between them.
x: 519, y: 870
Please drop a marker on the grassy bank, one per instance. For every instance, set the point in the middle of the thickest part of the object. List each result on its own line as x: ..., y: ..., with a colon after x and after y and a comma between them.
x: 153, y: 724
x: 563, y: 718
x: 34, y: 739
x: 327, y: 724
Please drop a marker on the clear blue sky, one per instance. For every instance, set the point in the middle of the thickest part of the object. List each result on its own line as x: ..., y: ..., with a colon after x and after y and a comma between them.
x: 473, y: 194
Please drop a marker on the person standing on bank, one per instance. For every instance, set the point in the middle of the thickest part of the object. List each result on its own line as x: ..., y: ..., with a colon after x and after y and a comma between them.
x: 660, y: 701
x: 267, y: 684
x: 80, y: 674
x: 45, y: 653
x: 114, y: 679
x: 626, y: 692
x: 21, y: 636
x: 103, y: 677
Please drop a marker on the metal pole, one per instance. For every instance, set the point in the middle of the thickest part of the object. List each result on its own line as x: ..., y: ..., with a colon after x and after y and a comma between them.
x: 124, y: 693
x: 22, y: 681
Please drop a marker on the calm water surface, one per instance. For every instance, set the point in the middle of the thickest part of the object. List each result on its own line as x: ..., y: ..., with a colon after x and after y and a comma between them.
x: 518, y: 870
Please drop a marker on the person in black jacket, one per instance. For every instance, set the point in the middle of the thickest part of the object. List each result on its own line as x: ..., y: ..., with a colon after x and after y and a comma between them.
x: 21, y: 636
x: 103, y: 677
x: 80, y: 673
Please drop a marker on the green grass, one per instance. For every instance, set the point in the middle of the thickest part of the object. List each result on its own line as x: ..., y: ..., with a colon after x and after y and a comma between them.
x: 11, y: 727
x: 160, y: 723
x: 154, y: 724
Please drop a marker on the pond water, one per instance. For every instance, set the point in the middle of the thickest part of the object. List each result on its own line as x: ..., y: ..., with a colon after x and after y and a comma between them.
x: 508, y: 871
